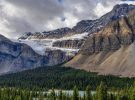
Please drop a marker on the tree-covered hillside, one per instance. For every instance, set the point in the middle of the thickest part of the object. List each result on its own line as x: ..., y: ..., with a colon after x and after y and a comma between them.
x: 60, y: 78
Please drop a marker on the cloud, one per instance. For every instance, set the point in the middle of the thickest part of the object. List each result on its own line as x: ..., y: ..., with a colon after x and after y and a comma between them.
x: 19, y: 16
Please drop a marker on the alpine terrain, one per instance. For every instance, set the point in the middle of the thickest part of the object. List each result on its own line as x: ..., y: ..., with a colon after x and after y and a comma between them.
x: 104, y: 45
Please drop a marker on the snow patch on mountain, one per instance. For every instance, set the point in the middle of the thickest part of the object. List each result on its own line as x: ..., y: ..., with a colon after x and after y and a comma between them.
x: 40, y: 45
x: 76, y: 36
x: 127, y: 2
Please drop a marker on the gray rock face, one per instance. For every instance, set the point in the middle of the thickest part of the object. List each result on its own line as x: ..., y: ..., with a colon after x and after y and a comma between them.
x: 110, y: 51
x: 58, y: 33
x: 112, y: 37
x: 56, y: 56
x: 17, y: 57
x: 96, y: 25
x: 73, y: 44
x: 107, y: 33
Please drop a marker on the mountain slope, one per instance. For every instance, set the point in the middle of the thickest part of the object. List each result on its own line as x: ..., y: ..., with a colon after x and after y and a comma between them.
x: 68, y: 40
x: 17, y: 57
x: 89, y: 37
x: 84, y: 26
x: 111, y: 50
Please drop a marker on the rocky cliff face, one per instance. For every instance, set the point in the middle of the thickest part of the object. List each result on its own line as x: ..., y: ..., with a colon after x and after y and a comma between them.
x: 58, y: 33
x: 111, y: 50
x: 18, y: 56
x: 66, y: 39
x: 73, y: 44
x: 96, y: 40
x: 58, y: 56
x: 81, y: 27
x: 96, y: 25
x: 115, y: 34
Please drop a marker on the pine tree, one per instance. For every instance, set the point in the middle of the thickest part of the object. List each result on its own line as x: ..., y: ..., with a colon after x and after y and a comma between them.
x: 52, y: 95
x: 63, y: 96
x: 40, y: 97
x: 101, y: 92
x: 84, y: 97
x: 60, y: 95
x: 75, y: 94
x: 17, y: 98
x: 88, y: 93
x: 132, y: 96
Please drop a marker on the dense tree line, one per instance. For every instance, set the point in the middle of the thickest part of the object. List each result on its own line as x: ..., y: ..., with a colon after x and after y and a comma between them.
x: 102, y: 93
x: 61, y: 78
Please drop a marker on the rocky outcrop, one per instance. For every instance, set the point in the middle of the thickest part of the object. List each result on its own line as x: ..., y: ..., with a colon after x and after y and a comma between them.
x: 115, y: 34
x: 18, y: 56
x: 109, y: 38
x: 111, y: 50
x: 96, y: 25
x: 58, y: 33
x: 57, y: 56
x: 72, y: 44
x: 59, y: 39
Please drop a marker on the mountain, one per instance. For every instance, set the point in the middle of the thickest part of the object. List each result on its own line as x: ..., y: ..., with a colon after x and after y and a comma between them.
x: 110, y: 50
x: 84, y: 25
x: 70, y: 40
x: 18, y: 56
x: 83, y: 41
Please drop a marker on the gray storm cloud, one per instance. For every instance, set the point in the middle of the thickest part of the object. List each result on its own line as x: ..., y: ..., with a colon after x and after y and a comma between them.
x: 19, y: 16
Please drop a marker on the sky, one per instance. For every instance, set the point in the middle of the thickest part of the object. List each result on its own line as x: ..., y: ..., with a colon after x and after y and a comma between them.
x: 20, y: 16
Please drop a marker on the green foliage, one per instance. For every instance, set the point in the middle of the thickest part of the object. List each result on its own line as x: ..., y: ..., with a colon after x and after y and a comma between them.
x: 44, y: 78
x: 132, y: 92
x: 52, y: 95
x: 60, y: 95
x: 102, y: 92
x: 88, y: 93
x: 75, y: 94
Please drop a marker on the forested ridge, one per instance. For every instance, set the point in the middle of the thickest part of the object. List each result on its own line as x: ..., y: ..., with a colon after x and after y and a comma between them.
x: 58, y: 77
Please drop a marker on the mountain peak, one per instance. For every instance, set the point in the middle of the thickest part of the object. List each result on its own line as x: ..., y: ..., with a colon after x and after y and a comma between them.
x: 110, y: 50
x: 123, y: 7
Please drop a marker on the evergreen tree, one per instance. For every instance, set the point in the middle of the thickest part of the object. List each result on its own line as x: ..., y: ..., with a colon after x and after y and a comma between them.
x: 101, y: 92
x: 84, y: 97
x: 63, y: 96
x: 17, y: 98
x: 40, y: 97
x: 88, y: 93
x: 60, y: 95
x: 75, y: 94
x: 132, y: 96
x: 111, y: 97
x: 52, y: 95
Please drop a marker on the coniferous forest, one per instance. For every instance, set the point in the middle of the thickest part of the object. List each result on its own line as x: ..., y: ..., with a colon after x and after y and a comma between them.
x: 35, y: 84
x: 101, y: 93
x: 58, y: 77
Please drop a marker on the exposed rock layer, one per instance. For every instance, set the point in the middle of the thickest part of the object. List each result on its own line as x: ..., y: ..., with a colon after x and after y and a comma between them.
x: 18, y: 56
x: 111, y: 50
x: 73, y: 44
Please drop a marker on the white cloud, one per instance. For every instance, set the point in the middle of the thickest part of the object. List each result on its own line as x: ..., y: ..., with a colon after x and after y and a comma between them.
x: 19, y: 16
